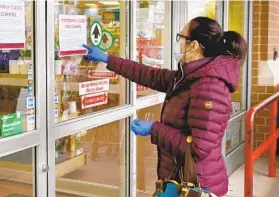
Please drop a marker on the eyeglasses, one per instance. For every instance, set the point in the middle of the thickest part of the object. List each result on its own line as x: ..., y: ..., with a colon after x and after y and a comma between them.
x: 187, y: 38
x: 179, y: 36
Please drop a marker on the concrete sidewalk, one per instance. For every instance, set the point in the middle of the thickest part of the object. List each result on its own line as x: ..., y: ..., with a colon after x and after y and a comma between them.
x: 263, y: 185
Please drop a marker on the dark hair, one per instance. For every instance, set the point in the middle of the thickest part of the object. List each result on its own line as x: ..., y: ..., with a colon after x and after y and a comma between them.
x: 214, y: 40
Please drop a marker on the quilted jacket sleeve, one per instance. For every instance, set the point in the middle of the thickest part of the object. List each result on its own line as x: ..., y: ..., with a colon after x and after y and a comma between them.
x: 208, y: 114
x: 156, y: 79
x: 168, y: 138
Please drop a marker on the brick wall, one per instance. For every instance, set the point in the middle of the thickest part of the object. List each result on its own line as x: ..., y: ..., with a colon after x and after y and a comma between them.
x: 265, y: 38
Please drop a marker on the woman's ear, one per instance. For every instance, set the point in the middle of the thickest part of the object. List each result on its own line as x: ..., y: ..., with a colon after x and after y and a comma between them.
x: 195, y: 45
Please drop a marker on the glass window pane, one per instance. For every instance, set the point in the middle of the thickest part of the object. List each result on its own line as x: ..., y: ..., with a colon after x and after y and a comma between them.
x: 84, y: 87
x: 17, y: 174
x: 236, y: 22
x: 206, y: 8
x: 147, y: 155
x: 153, y: 37
x: 93, y: 162
x: 17, y: 101
x: 235, y: 134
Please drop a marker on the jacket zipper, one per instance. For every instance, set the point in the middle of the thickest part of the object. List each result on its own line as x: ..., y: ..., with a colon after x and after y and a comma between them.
x: 176, y: 83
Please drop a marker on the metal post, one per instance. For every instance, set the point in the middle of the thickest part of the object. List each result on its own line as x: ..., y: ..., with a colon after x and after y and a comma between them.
x: 272, y: 149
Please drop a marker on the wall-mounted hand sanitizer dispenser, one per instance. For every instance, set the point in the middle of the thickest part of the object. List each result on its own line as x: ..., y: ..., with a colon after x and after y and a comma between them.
x: 268, y: 74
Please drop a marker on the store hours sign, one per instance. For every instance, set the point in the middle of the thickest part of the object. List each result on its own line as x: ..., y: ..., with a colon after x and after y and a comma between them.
x: 72, y: 34
x: 12, y: 25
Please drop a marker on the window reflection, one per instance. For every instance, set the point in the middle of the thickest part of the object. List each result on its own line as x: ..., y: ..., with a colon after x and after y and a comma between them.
x: 153, y: 37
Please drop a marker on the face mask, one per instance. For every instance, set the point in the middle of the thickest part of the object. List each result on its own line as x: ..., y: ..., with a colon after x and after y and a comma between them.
x: 178, y: 56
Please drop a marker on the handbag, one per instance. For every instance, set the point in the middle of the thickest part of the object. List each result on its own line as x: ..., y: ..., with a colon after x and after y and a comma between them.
x: 189, y: 186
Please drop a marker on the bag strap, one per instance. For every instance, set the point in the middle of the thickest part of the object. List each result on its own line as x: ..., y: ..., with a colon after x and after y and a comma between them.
x: 190, y: 174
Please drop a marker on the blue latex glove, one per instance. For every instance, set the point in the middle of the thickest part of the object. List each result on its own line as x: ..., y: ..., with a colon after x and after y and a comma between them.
x: 95, y: 54
x: 142, y: 128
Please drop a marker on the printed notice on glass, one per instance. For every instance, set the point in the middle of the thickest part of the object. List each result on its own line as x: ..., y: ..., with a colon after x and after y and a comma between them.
x: 91, y: 87
x: 72, y: 34
x: 12, y: 25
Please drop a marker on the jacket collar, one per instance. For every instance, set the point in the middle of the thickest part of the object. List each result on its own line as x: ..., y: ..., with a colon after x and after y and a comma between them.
x: 192, y: 66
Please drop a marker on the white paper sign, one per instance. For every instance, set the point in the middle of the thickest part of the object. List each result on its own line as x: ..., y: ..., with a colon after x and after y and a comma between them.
x: 72, y: 34
x: 12, y: 25
x: 91, y: 87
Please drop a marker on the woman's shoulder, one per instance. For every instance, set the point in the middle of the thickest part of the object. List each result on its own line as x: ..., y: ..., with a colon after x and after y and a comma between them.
x: 210, y: 84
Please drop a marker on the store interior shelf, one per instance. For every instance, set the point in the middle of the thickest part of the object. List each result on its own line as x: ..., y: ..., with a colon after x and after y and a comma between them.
x: 19, y: 80
x: 70, y: 165
x: 8, y: 75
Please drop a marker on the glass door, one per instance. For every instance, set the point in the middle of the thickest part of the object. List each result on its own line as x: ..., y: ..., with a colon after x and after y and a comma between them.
x: 89, y: 106
x: 23, y: 163
x: 237, y: 19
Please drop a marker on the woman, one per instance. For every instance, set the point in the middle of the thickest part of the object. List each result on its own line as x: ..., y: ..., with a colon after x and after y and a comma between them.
x: 197, y: 103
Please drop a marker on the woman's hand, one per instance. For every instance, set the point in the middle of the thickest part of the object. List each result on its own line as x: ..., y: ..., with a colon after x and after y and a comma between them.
x: 142, y: 128
x: 95, y: 54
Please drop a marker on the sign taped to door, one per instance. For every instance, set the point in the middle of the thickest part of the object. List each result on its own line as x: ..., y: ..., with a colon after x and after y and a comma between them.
x: 107, y: 41
x: 96, y: 33
x: 92, y: 100
x: 91, y: 87
x: 72, y: 34
x: 97, y: 74
x: 12, y: 23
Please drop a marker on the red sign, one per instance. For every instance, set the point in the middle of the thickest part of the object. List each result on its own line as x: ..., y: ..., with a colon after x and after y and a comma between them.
x: 74, y: 52
x: 101, y: 74
x: 92, y: 100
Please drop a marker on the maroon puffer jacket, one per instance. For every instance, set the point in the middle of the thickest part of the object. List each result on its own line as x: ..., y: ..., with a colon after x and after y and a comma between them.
x: 197, y: 102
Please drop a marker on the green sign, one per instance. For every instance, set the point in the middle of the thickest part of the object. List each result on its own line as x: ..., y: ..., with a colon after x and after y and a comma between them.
x: 96, y: 33
x: 10, y: 124
x: 107, y: 41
